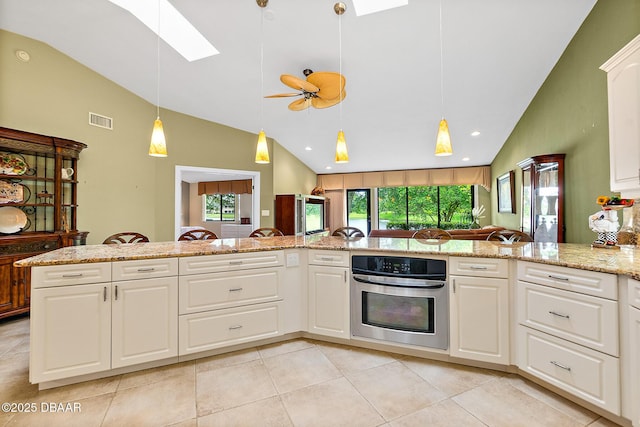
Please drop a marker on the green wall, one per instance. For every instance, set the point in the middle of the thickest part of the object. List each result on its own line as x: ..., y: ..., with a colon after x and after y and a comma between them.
x: 569, y: 115
x: 121, y: 187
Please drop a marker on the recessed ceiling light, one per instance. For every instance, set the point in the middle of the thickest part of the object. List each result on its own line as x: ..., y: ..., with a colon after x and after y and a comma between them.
x: 175, y: 29
x: 308, y: 148
x: 365, y: 7
x: 475, y: 133
x: 465, y: 159
x: 327, y: 167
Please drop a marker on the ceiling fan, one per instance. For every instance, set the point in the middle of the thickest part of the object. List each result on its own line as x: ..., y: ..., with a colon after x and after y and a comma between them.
x: 321, y: 89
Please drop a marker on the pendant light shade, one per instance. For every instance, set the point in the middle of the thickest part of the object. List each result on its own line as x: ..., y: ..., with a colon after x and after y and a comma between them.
x: 342, y: 156
x: 443, y: 141
x: 262, y: 151
x: 158, y: 147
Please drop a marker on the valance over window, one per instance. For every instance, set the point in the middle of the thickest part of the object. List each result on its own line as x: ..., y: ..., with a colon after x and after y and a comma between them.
x: 475, y: 175
x: 242, y: 186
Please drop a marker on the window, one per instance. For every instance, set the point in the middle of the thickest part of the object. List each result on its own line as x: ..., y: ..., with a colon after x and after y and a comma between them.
x: 219, y: 207
x: 413, y: 208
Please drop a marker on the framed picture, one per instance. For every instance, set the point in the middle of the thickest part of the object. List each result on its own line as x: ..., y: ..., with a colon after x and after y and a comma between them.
x: 506, y: 193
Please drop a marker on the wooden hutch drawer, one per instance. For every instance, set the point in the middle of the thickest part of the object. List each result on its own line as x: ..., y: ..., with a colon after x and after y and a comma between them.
x: 30, y: 247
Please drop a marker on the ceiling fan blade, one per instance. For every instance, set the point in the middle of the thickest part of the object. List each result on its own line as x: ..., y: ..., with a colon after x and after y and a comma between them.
x: 283, y: 95
x: 326, y: 103
x: 300, y: 104
x: 296, y: 83
x: 329, y: 83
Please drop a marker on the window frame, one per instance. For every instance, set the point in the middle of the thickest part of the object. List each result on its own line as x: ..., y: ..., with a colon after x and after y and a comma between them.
x: 205, y: 216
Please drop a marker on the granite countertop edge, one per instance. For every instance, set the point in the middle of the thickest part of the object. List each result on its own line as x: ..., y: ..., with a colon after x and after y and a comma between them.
x: 581, y: 256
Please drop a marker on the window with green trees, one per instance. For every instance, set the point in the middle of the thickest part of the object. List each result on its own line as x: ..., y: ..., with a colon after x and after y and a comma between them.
x: 413, y: 208
x: 220, y: 207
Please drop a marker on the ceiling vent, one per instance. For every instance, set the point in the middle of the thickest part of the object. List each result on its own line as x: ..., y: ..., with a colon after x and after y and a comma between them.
x: 100, y: 121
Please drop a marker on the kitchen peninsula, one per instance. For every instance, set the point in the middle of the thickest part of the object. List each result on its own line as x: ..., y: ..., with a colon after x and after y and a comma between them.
x: 102, y: 310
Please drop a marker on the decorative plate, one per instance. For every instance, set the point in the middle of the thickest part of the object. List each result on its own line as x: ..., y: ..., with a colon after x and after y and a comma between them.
x: 11, y: 192
x: 12, y: 164
x: 12, y: 220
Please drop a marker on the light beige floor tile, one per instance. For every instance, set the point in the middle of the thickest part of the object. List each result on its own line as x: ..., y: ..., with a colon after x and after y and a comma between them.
x: 227, y: 359
x: 332, y: 403
x: 498, y: 404
x: 284, y: 347
x: 603, y: 422
x: 14, y: 326
x: 450, y: 378
x: 75, y: 392
x: 149, y: 376
x: 577, y: 412
x: 232, y: 386
x: 347, y: 358
x: 442, y: 414
x: 302, y: 368
x: 264, y: 413
x: 14, y: 366
x: 18, y: 390
x: 9, y: 343
x: 193, y: 422
x: 89, y: 412
x: 21, y: 347
x: 394, y: 390
x: 157, y: 404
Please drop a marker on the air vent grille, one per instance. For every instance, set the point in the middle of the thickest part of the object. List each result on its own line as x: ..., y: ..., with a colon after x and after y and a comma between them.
x: 100, y: 121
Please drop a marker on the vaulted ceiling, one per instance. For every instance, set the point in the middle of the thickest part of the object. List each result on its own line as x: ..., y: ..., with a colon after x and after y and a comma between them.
x: 495, y: 56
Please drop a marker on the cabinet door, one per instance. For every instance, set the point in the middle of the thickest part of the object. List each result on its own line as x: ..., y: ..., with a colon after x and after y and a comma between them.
x: 634, y: 352
x: 145, y: 320
x: 329, y: 301
x: 7, y: 286
x: 70, y: 331
x: 479, y: 319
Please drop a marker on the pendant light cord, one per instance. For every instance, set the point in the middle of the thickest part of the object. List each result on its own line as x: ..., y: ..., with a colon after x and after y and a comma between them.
x: 441, y: 66
x: 340, y: 63
x: 262, y: 67
x: 158, y: 65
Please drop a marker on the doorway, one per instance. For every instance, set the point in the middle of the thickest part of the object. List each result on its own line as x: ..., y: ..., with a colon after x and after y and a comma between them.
x: 359, y: 209
x: 192, y: 175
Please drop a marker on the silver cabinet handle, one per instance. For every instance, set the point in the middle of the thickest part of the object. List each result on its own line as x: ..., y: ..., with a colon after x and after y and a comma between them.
x: 104, y: 294
x: 453, y: 281
x: 326, y: 258
x: 235, y: 289
x: 345, y: 276
x: 559, y: 365
x: 146, y: 269
x: 116, y: 292
x: 69, y: 276
x: 566, y: 316
x: 478, y: 267
x: 235, y: 262
x: 551, y: 276
x: 235, y: 327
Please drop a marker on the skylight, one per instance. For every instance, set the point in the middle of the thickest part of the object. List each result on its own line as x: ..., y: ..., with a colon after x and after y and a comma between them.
x: 174, y: 28
x: 365, y: 7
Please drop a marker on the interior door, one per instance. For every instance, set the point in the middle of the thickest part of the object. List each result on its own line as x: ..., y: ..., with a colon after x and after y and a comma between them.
x: 359, y: 209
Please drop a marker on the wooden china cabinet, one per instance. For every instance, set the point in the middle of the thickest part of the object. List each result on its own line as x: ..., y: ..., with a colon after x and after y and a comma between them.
x: 542, y: 208
x: 38, y: 207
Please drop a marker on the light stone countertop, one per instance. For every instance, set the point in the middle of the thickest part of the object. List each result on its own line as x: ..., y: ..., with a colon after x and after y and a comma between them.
x: 624, y: 261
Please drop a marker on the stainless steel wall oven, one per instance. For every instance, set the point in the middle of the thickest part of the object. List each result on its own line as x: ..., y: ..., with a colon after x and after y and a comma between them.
x: 400, y: 299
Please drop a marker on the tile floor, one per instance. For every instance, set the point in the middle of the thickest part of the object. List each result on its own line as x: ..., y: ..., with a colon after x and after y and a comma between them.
x: 295, y: 383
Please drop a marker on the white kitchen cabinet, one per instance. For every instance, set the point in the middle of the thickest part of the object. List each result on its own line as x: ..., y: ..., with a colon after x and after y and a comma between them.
x: 634, y: 349
x: 479, y: 316
x: 144, y: 320
x: 328, y: 294
x: 623, y: 82
x: 70, y: 331
x: 567, y: 332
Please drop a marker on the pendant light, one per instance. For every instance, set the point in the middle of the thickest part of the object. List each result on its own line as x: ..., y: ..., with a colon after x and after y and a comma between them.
x: 262, y: 150
x: 342, y: 156
x: 443, y: 140
x: 158, y: 146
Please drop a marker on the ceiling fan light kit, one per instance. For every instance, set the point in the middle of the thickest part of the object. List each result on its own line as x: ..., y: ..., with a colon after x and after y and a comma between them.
x: 321, y: 89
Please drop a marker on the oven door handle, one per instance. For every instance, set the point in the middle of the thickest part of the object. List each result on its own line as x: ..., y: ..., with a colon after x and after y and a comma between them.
x: 390, y: 281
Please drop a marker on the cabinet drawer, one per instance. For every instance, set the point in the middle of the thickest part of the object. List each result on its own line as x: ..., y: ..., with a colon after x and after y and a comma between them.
x: 485, y: 267
x: 144, y: 269
x: 333, y: 258
x: 585, y: 373
x: 30, y: 247
x: 583, y: 319
x: 587, y: 282
x: 230, y: 262
x: 71, y: 274
x: 202, y: 292
x: 221, y: 328
x: 634, y: 293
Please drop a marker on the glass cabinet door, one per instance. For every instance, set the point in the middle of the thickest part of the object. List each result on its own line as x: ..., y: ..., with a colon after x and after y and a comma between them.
x: 542, y: 197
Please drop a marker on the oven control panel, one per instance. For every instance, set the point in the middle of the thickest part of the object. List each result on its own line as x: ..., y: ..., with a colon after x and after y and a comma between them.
x: 434, y: 269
